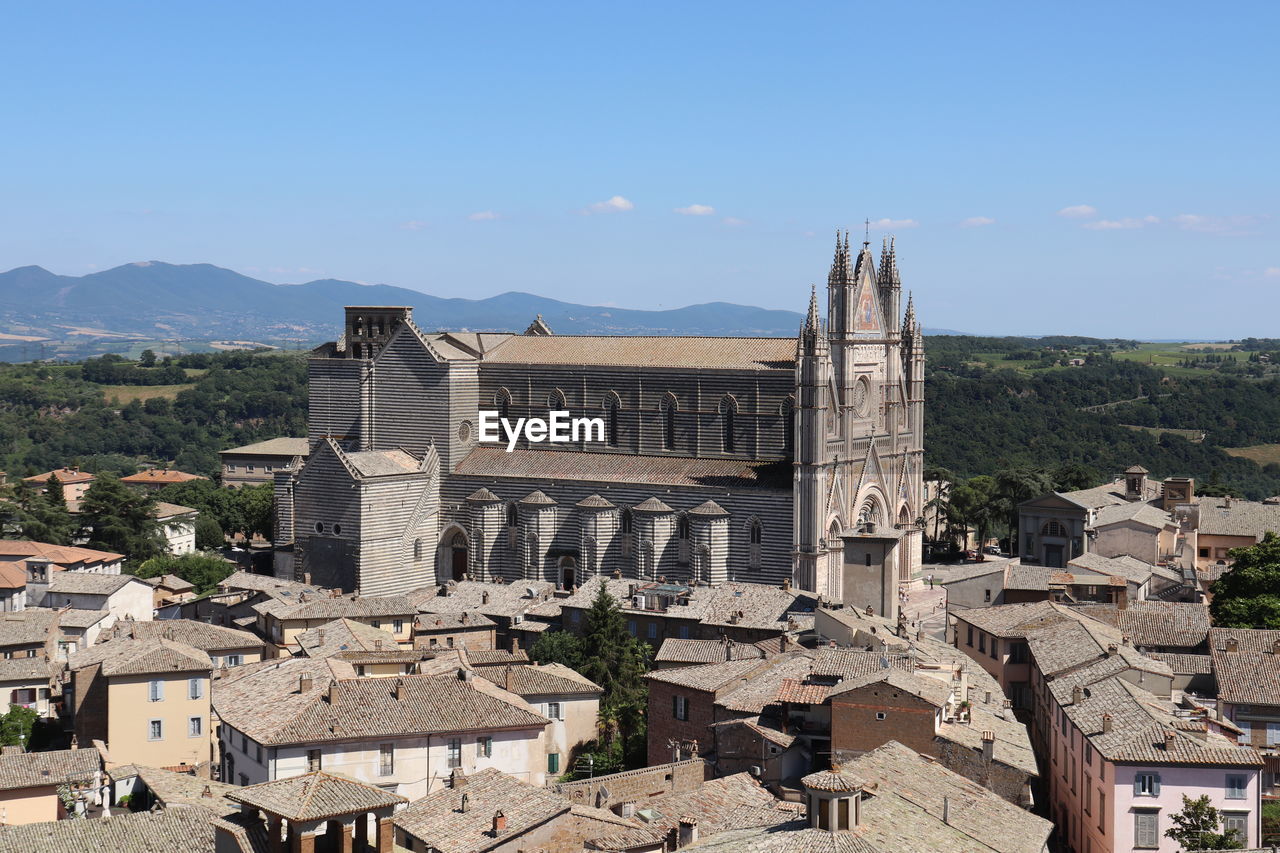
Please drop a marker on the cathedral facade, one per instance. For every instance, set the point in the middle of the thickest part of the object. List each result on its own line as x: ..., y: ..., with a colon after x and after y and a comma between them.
x: 772, y: 460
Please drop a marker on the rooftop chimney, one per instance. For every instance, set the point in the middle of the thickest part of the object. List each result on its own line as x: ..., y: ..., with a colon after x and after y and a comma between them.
x: 946, y: 810
x: 786, y: 584
x: 988, y: 745
x: 1077, y: 695
x: 1169, y: 737
x: 466, y: 802
x: 377, y: 645
x: 499, y: 822
x: 688, y: 831
x: 207, y: 792
x: 400, y: 689
x: 465, y: 675
x: 782, y: 643
x: 515, y: 645
x: 484, y: 598
x: 304, y: 682
x: 1233, y: 645
x: 1107, y: 723
x: 1112, y: 649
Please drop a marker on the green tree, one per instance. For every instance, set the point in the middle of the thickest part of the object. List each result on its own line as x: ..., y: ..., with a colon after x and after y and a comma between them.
x: 257, y: 509
x: 1073, y: 476
x: 1013, y: 486
x: 213, y: 501
x: 200, y: 570
x: 16, y: 726
x: 39, y: 516
x: 1196, y: 827
x: 1248, y: 596
x: 559, y: 647
x: 209, y: 535
x: 618, y: 662
x: 974, y: 504
x: 117, y: 518
x: 147, y: 358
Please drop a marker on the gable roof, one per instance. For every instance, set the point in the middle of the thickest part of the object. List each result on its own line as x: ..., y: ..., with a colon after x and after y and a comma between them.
x: 39, y: 769
x: 1155, y: 623
x: 548, y: 679
x: 343, y: 635
x: 199, y: 635
x: 89, y: 583
x: 160, y: 476
x: 1251, y: 674
x: 592, y: 467
x: 127, y: 656
x: 272, y: 447
x: 440, y: 821
x: 265, y: 703
x: 692, y: 353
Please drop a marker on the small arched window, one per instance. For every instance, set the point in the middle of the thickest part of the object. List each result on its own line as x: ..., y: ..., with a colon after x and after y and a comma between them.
x: 502, y: 401
x: 556, y: 401
x: 626, y: 526
x: 611, y: 405
x: 683, y: 539
x: 417, y: 550
x: 513, y: 523
x: 668, y: 407
x: 755, y: 532
x: 728, y: 410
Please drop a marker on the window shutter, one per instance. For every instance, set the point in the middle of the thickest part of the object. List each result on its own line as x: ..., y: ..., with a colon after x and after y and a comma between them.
x: 675, y: 707
x: 1137, y: 785
x: 1155, y: 785
x: 1273, y: 734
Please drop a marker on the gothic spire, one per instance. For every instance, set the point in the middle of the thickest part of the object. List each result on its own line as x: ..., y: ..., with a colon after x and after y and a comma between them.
x: 909, y: 321
x: 889, y: 265
x: 840, y: 264
x: 811, y: 322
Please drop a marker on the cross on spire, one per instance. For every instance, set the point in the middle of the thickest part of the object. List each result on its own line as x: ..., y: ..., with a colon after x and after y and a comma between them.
x: 866, y: 236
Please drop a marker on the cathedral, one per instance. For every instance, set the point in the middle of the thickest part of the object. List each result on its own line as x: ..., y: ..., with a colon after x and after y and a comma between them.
x: 773, y: 460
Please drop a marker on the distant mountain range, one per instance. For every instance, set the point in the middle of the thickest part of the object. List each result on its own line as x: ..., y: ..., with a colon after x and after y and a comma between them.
x: 160, y: 301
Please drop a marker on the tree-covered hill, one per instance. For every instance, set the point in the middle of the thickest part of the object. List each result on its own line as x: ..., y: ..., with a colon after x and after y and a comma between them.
x: 979, y: 420
x: 54, y: 414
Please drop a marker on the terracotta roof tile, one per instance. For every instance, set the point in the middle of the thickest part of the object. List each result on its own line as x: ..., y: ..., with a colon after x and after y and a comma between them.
x: 315, y: 796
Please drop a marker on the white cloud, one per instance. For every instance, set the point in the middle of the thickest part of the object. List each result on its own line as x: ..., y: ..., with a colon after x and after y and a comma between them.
x: 1214, y: 224
x: 696, y: 210
x: 413, y: 225
x: 1128, y: 223
x: 977, y: 222
x: 484, y: 216
x: 1078, y: 211
x: 1272, y: 272
x: 733, y: 220
x: 613, y: 205
x: 894, y: 223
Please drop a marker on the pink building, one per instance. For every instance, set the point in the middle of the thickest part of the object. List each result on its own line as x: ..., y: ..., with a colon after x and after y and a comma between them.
x: 1116, y: 753
x: 1121, y: 760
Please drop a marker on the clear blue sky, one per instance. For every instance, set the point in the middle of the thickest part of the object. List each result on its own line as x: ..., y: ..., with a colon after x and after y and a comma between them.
x: 470, y: 149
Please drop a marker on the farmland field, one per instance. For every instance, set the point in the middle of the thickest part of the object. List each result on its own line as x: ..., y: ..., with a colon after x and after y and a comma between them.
x: 125, y: 394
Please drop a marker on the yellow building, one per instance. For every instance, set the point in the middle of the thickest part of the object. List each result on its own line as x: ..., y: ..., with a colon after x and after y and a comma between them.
x: 281, y: 620
x: 147, y: 699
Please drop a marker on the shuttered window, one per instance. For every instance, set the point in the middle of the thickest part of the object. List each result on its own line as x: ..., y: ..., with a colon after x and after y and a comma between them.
x: 1146, y: 785
x: 1146, y: 830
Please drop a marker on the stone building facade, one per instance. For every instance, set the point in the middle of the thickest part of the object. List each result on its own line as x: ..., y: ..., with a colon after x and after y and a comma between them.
x: 750, y: 459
